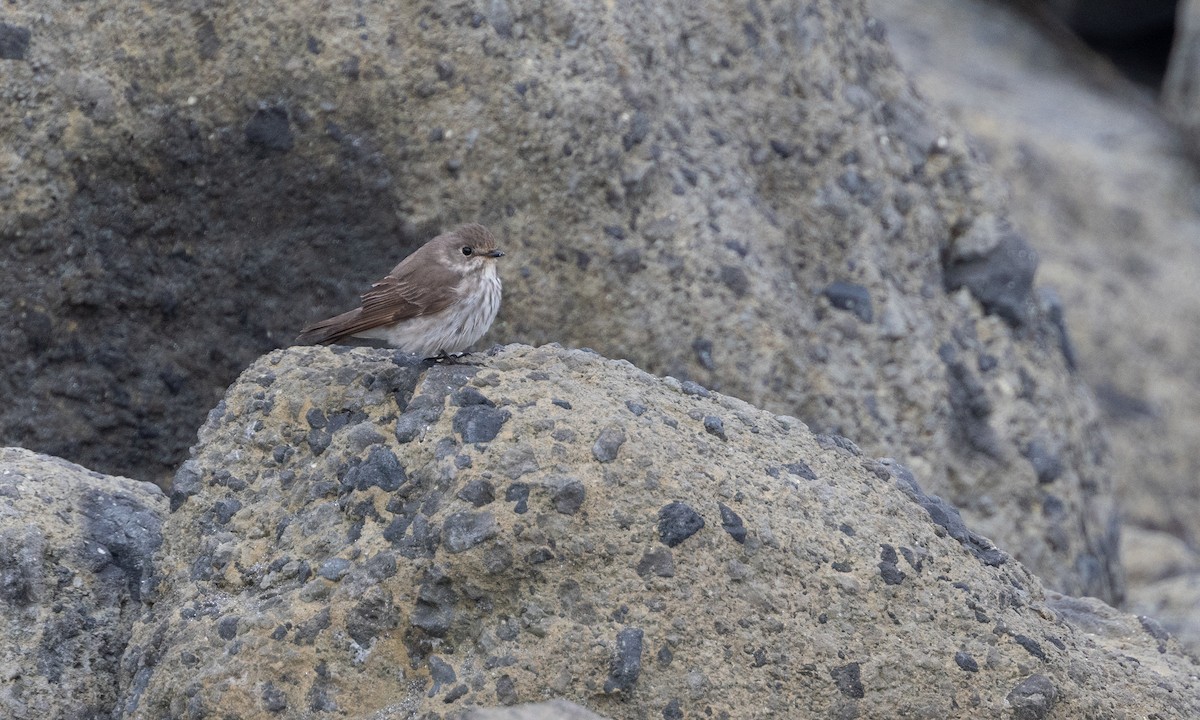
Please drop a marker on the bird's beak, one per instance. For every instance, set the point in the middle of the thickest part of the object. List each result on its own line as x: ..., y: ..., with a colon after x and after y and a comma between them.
x: 495, y: 254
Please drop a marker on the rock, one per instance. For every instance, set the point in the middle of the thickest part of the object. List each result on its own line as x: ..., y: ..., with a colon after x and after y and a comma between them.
x: 1033, y: 698
x: 1122, y: 271
x: 76, y: 565
x: 445, y: 607
x: 854, y: 298
x: 715, y: 186
x: 1181, y: 86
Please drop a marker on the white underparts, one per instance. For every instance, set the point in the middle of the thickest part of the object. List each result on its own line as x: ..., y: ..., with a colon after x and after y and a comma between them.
x: 454, y: 329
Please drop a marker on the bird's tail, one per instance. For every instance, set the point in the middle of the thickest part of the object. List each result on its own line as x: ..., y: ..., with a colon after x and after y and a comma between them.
x: 330, y: 330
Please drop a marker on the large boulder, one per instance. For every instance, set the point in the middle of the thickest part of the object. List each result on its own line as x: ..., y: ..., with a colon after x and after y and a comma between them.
x: 751, y: 197
x: 1109, y: 196
x: 358, y: 534
x: 76, y: 564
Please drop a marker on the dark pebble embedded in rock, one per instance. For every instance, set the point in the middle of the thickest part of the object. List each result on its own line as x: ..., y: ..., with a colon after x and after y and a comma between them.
x: 1033, y: 698
x: 307, y: 631
x: 14, y: 41
x: 891, y: 574
x: 735, y: 279
x: 801, y: 469
x: 225, y: 508
x: 945, y: 515
x: 635, y: 408
x: 638, y: 130
x: 468, y: 395
x: 970, y: 404
x: 690, y: 387
x: 421, y: 412
x: 839, y: 442
x: 731, y: 523
x: 628, y: 261
x: 274, y: 699
x: 561, y: 403
x: 714, y: 425
x: 852, y: 298
x: 608, y: 444
x: 672, y: 710
x: 464, y: 530
x: 381, y: 469
x: 518, y: 493
x: 677, y: 522
x: 1000, y: 279
x: 441, y: 672
x: 848, y: 679
x: 479, y: 423
x: 269, y: 129
x: 227, y: 627
x: 966, y: 662
x: 318, y: 441
x: 334, y: 568
x: 1156, y: 630
x: 478, y: 493
x: 539, y: 556
x: 568, y: 497
x: 627, y: 665
x: 436, y: 599
x: 704, y: 353
x: 1033, y: 647
x: 382, y: 565
x: 1045, y: 461
x: 657, y: 562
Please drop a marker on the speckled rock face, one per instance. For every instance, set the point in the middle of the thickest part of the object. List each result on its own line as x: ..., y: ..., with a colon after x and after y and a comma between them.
x: 750, y: 197
x: 76, y: 563
x: 356, y: 533
x: 1107, y: 194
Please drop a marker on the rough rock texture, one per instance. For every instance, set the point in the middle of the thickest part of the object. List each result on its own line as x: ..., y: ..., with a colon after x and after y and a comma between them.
x: 1110, y: 199
x: 76, y: 562
x: 1181, y: 86
x: 748, y: 196
x: 339, y: 547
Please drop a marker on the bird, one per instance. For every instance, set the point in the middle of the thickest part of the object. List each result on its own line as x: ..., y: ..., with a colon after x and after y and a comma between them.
x: 437, y: 302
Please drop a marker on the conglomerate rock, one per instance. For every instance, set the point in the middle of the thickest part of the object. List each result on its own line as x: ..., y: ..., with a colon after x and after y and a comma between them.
x: 750, y: 196
x: 358, y: 532
x: 76, y: 563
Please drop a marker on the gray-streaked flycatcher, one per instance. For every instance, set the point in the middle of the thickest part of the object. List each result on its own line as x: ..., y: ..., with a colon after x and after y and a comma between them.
x: 437, y: 301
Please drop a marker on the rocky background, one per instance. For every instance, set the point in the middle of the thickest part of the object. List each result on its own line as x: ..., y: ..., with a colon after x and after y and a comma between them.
x: 754, y: 199
x: 1107, y: 188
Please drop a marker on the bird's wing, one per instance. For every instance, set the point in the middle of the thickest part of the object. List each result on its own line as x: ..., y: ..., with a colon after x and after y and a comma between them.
x: 401, y: 295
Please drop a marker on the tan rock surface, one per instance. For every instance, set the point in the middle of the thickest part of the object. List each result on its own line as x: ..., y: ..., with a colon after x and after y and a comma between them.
x: 1109, y: 198
x: 749, y: 196
x: 76, y: 563
x: 355, y: 532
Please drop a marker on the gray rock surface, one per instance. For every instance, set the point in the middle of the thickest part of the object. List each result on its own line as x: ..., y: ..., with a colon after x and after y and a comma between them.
x: 1110, y: 199
x: 748, y: 197
x: 850, y: 594
x: 1181, y: 86
x: 76, y: 564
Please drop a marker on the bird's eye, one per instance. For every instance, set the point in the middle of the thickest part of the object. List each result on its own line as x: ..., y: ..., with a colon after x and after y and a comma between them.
x: 467, y: 250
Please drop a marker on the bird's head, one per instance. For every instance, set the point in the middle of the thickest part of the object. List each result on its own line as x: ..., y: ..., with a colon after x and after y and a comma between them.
x: 469, y: 248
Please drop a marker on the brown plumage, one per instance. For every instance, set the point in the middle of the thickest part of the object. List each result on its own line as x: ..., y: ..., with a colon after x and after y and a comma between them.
x: 438, y: 300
